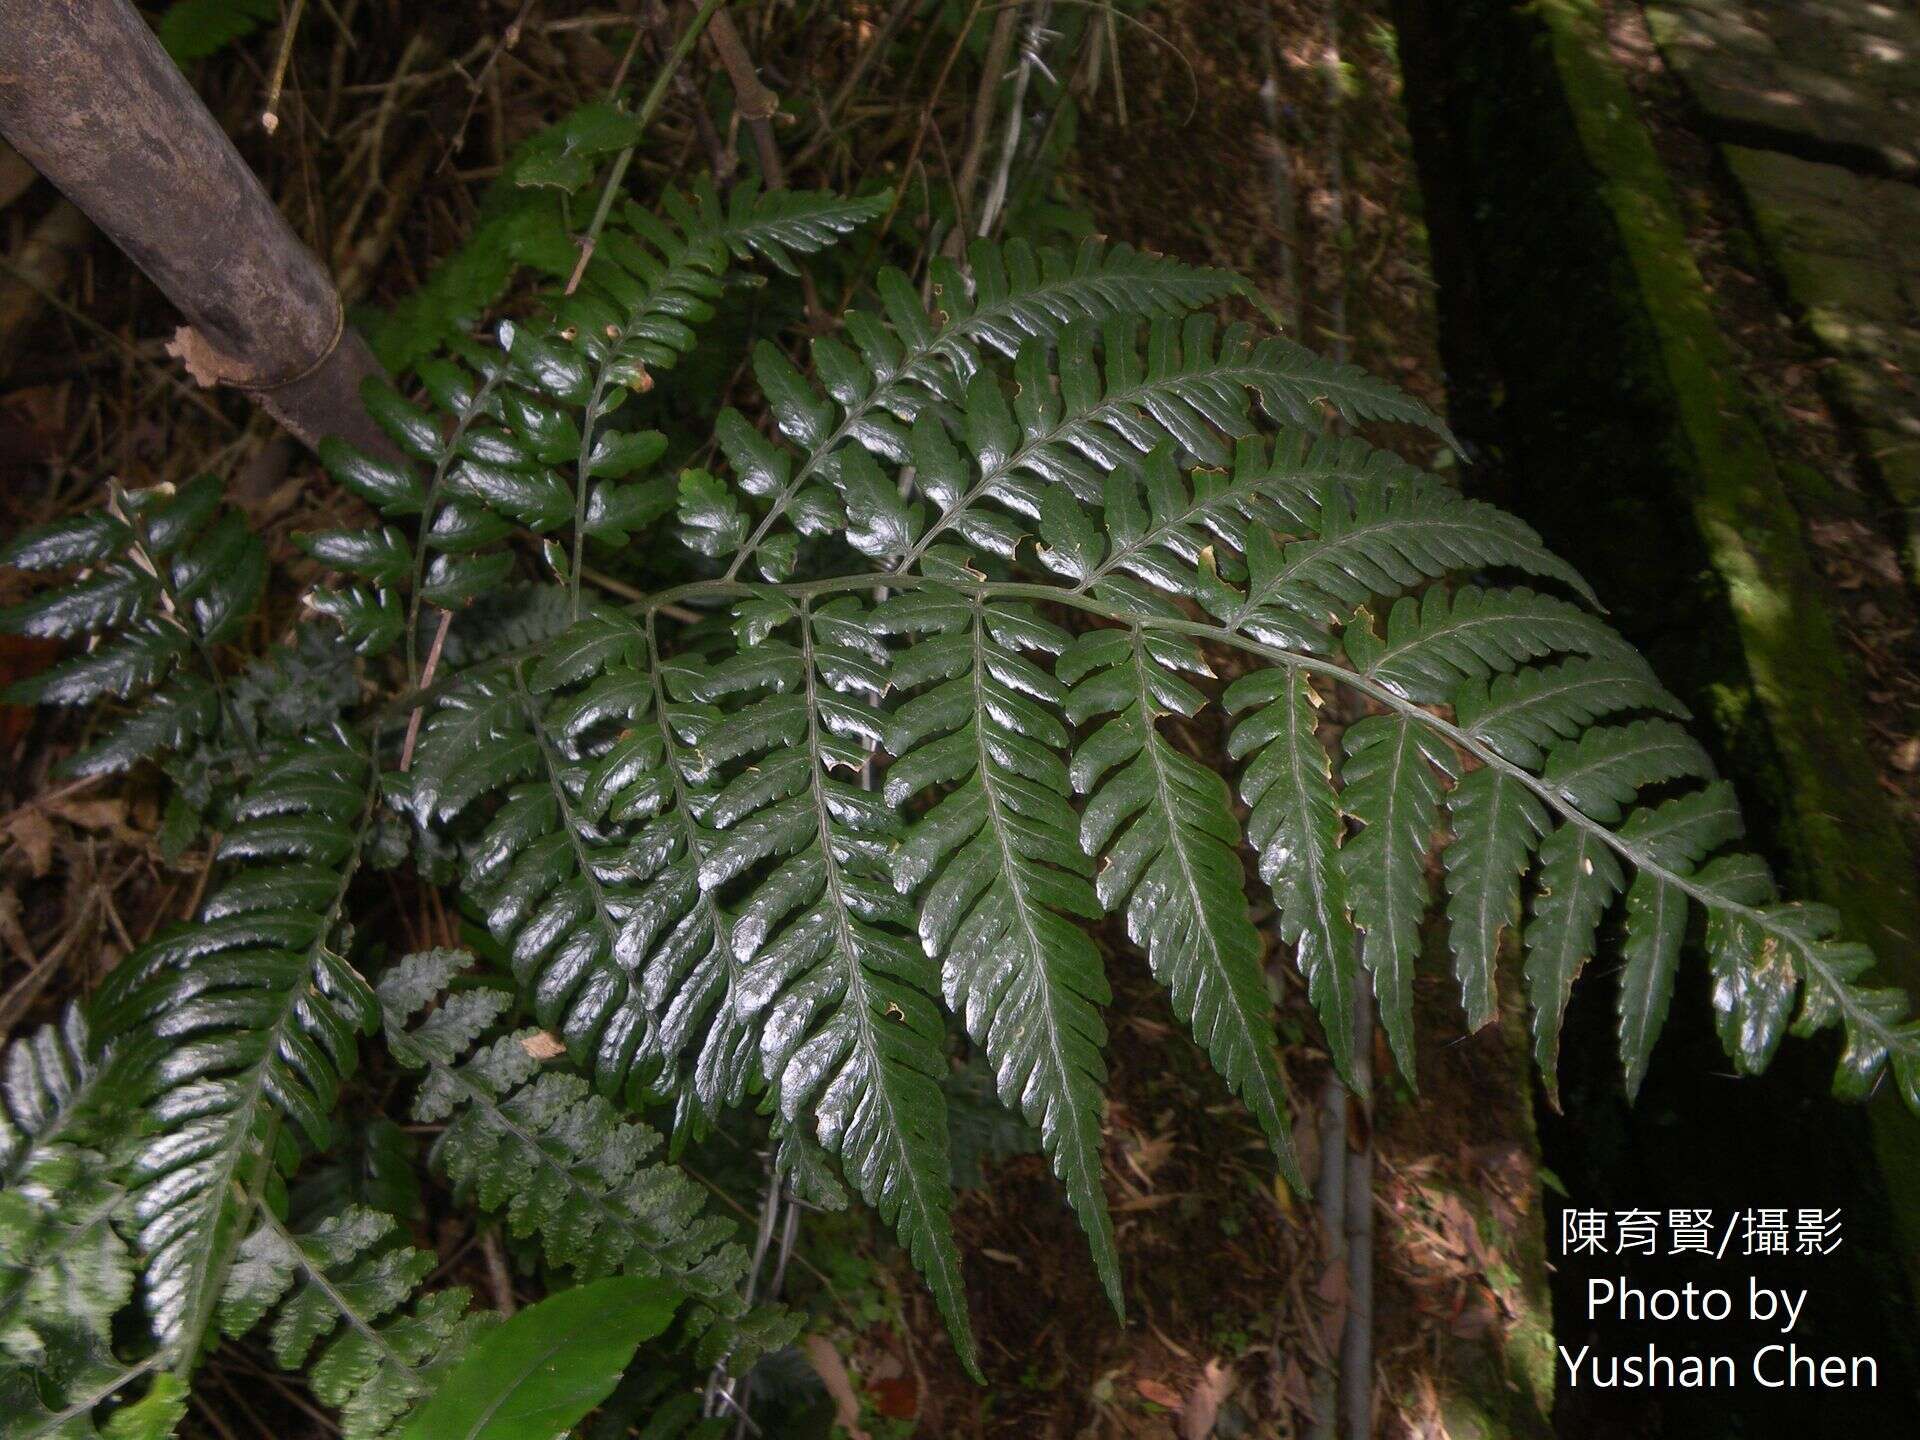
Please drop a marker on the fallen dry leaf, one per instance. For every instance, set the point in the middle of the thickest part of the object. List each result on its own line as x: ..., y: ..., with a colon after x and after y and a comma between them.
x: 897, y: 1399
x: 1293, y: 1386
x: 1476, y: 1315
x: 832, y: 1371
x: 91, y: 814
x: 1204, y: 1400
x: 1158, y: 1392
x: 1147, y: 1155
x: 33, y: 833
x: 11, y: 931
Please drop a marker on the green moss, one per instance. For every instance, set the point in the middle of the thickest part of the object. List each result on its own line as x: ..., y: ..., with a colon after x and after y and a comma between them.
x: 1742, y: 251
x: 1818, y: 486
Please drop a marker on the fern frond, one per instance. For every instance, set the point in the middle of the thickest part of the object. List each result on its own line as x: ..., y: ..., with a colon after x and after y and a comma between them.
x: 1373, y: 540
x: 346, y: 1294
x: 46, y: 1090
x: 1008, y: 295
x: 1518, y: 716
x: 915, y: 361
x: 834, y: 974
x: 256, y: 1009
x: 95, y: 1379
x: 1437, y: 642
x: 1115, y: 482
x: 64, y: 1272
x: 516, y: 619
x: 340, y: 1298
x: 660, y: 276
x: 1392, y: 783
x: 536, y: 444
x: 553, y: 885
x: 539, y: 1145
x: 1191, y: 396
x: 1656, y: 924
x: 1497, y: 825
x: 1176, y: 531
x: 757, y: 836
x: 561, y: 1162
x: 165, y: 575
x: 1295, y: 826
x: 590, y: 866
x: 1192, y: 392
x: 1600, y: 773
x: 1579, y: 875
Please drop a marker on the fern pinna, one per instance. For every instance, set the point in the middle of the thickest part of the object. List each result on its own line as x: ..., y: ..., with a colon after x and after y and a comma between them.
x: 898, y: 728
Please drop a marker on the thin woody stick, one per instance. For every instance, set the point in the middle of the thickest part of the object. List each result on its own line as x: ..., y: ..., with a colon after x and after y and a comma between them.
x: 270, y: 112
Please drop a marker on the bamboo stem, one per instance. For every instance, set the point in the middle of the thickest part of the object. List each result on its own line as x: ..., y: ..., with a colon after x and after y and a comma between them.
x: 92, y: 101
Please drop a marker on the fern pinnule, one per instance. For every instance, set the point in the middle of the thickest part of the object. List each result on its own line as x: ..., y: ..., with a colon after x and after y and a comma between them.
x: 1005, y: 879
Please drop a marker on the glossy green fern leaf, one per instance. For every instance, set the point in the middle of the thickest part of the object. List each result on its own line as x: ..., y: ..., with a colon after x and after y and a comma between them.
x: 66, y: 1273
x: 1162, y: 829
x: 758, y: 830
x: 553, y: 887
x: 1005, y: 879
x: 254, y: 1010
x: 539, y: 440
